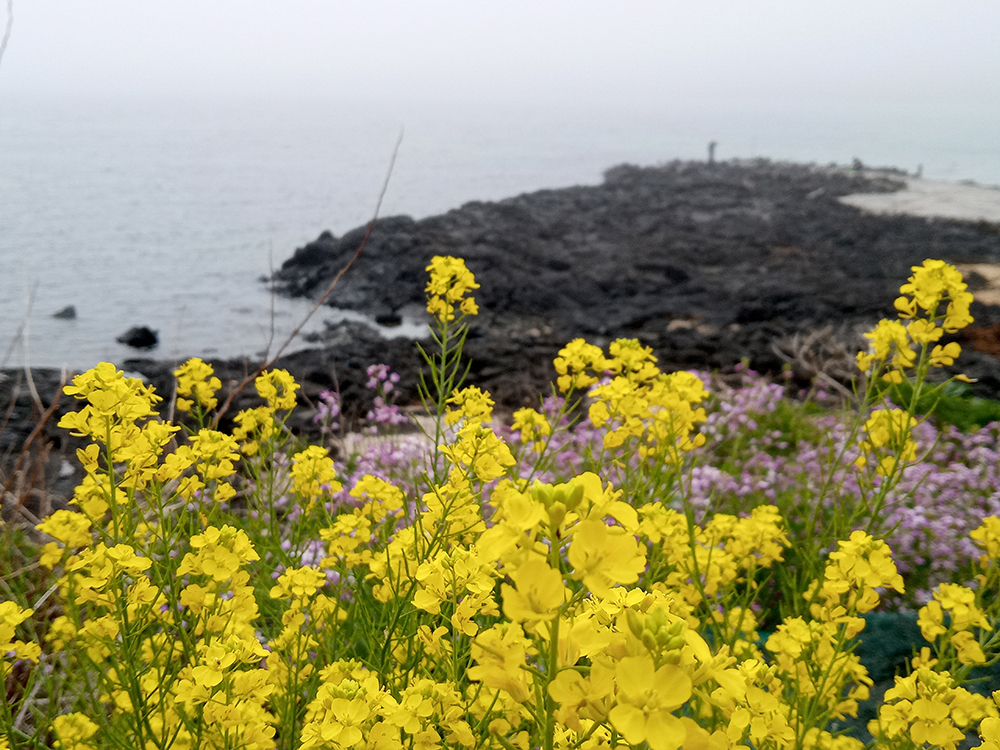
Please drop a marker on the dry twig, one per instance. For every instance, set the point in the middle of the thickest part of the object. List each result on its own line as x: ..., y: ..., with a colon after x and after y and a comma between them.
x: 46, y: 415
x: 10, y: 25
x: 319, y: 302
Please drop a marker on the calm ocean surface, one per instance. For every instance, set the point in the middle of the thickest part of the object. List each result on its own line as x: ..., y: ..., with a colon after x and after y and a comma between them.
x: 167, y: 213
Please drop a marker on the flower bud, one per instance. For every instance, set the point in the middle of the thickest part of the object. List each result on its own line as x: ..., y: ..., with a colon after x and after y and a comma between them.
x: 574, y: 497
x: 657, y: 620
x: 676, y: 642
x: 557, y: 512
x: 634, y: 622
x: 649, y: 641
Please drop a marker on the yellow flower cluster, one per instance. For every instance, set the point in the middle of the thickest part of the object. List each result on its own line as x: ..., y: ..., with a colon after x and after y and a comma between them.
x: 213, y: 455
x: 989, y: 728
x: 533, y: 427
x: 196, y: 386
x: 221, y: 689
x: 470, y: 405
x: 71, y: 531
x: 351, y: 533
x: 74, y: 730
x: 479, y: 449
x: 959, y: 604
x: 579, y: 366
x: 636, y: 404
x: 930, y: 706
x: 929, y: 709
x: 933, y: 284
x: 11, y: 616
x: 193, y: 665
x: 118, y: 414
x: 450, y: 282
x: 110, y: 397
x: 258, y: 426
x: 278, y: 388
x: 937, y: 293
x: 987, y: 538
x: 698, y: 564
x: 889, y: 438
x: 313, y: 475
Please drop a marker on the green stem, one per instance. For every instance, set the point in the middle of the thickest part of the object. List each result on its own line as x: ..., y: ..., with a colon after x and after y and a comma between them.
x: 552, y: 664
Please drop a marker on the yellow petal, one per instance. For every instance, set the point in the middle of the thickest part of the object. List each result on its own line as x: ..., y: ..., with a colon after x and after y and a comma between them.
x: 630, y: 721
x: 665, y: 731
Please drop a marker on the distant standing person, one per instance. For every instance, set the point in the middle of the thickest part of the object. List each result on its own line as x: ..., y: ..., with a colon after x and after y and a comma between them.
x: 711, y: 151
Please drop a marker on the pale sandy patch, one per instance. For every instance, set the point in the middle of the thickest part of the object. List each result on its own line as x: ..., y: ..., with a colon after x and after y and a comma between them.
x: 933, y: 199
x: 989, y: 294
x: 423, y: 440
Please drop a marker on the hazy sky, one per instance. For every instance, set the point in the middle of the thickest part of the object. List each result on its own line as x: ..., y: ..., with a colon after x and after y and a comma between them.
x: 506, y: 51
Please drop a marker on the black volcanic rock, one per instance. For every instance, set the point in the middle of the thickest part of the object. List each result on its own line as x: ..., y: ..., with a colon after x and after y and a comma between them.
x: 709, y: 264
x: 139, y: 337
x: 732, y: 243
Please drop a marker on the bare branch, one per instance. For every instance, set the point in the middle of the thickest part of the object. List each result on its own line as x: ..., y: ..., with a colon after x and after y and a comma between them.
x: 322, y: 298
x: 46, y: 415
x: 20, y: 335
x: 10, y: 25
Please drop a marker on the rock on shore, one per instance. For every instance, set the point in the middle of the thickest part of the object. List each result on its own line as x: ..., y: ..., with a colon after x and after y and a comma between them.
x: 708, y: 264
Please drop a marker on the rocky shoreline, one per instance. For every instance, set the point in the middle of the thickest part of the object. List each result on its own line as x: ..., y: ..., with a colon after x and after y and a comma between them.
x: 709, y: 264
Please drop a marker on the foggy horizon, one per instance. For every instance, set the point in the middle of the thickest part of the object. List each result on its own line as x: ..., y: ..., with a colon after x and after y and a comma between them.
x: 560, y: 53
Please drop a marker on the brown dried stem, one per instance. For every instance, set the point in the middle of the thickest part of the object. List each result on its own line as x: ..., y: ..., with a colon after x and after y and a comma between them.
x: 46, y: 415
x: 319, y: 302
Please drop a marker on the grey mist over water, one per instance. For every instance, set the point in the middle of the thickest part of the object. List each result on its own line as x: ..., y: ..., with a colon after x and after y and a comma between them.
x: 158, y: 159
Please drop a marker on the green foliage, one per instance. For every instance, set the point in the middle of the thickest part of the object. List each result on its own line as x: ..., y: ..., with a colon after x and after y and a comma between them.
x: 950, y: 403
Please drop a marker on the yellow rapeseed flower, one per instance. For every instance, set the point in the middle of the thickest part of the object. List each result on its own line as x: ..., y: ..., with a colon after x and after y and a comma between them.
x: 632, y: 360
x: 933, y: 283
x: 500, y: 654
x: 987, y: 538
x: 956, y: 605
x: 478, y: 448
x: 74, y: 731
x: 539, y: 594
x: 278, y: 388
x: 888, y: 431
x: 298, y: 584
x: 859, y: 567
x: 69, y: 529
x: 533, y: 426
x: 888, y: 337
x: 196, y: 385
x: 219, y: 553
x: 603, y: 556
x: 647, y: 698
x: 12, y: 615
x: 989, y: 731
x: 944, y: 356
x: 450, y: 281
x: 931, y: 709
x: 579, y: 365
x: 313, y: 473
x: 253, y: 427
x: 471, y: 405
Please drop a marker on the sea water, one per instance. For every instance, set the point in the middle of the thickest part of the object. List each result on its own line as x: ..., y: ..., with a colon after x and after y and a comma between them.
x: 167, y: 213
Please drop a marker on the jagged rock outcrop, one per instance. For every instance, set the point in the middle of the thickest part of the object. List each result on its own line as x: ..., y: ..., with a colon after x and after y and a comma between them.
x: 709, y: 264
